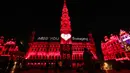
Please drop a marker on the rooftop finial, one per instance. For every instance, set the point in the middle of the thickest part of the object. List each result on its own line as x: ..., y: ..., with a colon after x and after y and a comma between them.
x: 64, y: 1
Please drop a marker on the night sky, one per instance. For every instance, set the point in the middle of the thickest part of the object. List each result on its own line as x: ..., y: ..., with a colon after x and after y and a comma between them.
x: 99, y: 17
x: 45, y: 17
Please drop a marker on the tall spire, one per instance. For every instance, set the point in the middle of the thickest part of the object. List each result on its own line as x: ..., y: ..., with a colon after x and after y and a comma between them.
x: 122, y: 32
x: 64, y: 1
x: 65, y: 20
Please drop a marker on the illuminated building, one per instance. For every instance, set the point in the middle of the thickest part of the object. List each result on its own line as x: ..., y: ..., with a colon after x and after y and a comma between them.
x: 8, y: 48
x: 112, y: 49
x: 1, y: 44
x: 68, y: 49
x: 125, y: 40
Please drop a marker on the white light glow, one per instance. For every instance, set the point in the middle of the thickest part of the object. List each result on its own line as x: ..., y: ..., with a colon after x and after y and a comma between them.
x: 66, y: 36
x: 126, y: 39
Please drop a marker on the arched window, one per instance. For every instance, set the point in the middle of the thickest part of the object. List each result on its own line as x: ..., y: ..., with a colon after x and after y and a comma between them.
x: 49, y: 49
x: 42, y: 49
x: 40, y: 57
x: 36, y: 56
x: 31, y: 57
x: 126, y: 36
x: 123, y: 37
x: 38, y: 49
x: 3, y: 52
x: 0, y: 49
x: 123, y: 55
x: 32, y: 49
x: 53, y: 57
x: 82, y: 49
x: 52, y: 49
x: 43, y: 57
x: 58, y: 49
x: 32, y: 46
x: 50, y: 57
x: 56, y: 57
x: 74, y: 49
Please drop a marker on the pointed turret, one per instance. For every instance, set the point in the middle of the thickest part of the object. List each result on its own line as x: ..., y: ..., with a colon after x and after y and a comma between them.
x: 122, y: 32
x: 91, y: 38
x: 1, y: 40
x: 32, y: 36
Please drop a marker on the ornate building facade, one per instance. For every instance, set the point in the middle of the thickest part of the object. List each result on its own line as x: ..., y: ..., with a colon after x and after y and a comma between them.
x: 67, y: 50
x: 125, y: 40
x: 8, y: 48
x: 116, y: 47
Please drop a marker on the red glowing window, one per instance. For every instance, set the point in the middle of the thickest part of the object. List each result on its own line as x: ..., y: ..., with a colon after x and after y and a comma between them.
x: 31, y: 57
x: 68, y: 56
x: 0, y: 49
x: 40, y: 49
x: 43, y: 49
x: 36, y: 56
x: 123, y: 55
x: 82, y: 49
x: 74, y: 49
x: 52, y: 57
x: 40, y: 57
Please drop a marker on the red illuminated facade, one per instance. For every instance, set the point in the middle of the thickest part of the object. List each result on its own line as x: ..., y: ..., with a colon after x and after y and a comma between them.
x: 125, y: 40
x: 8, y: 48
x: 112, y: 49
x: 67, y: 49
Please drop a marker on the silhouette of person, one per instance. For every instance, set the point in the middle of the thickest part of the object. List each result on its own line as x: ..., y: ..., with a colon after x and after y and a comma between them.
x: 87, y: 55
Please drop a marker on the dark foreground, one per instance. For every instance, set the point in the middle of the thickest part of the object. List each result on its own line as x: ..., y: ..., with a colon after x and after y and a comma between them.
x: 68, y: 71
